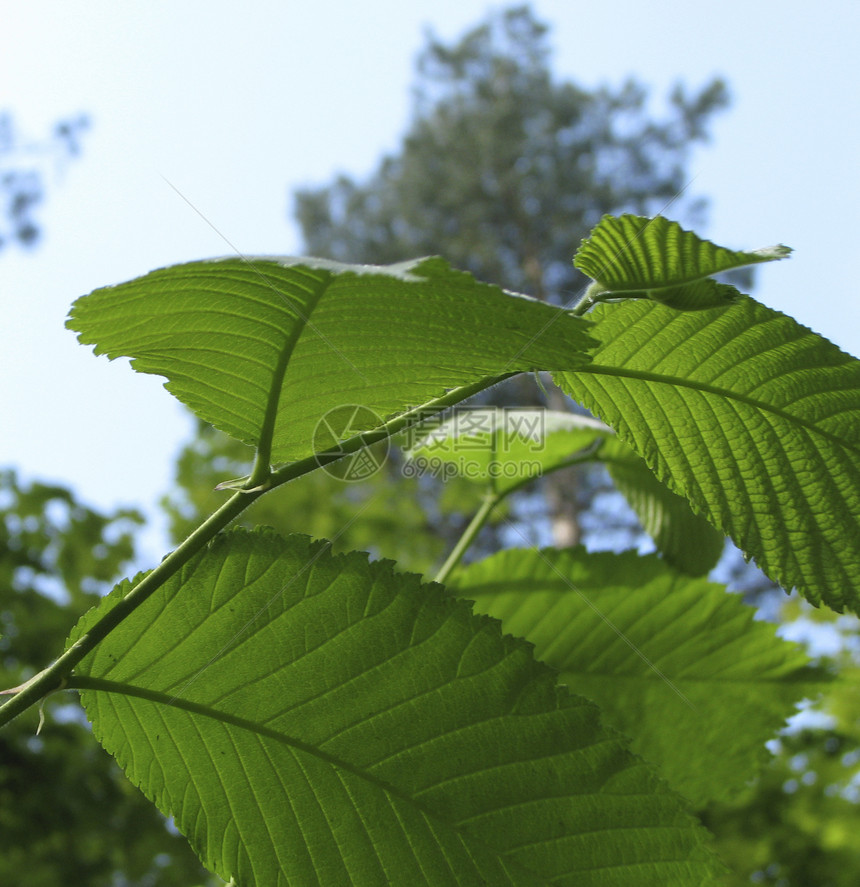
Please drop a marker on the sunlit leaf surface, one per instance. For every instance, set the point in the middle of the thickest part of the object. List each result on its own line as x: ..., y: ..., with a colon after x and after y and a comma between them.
x: 310, y: 719
x: 750, y: 416
x: 265, y: 348
x: 676, y: 663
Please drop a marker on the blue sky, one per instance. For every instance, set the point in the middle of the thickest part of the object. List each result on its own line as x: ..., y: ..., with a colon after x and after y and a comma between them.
x: 236, y: 107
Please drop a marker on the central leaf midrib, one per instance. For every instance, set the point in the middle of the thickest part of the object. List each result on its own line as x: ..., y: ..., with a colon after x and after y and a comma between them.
x: 654, y: 287
x: 104, y: 685
x: 726, y: 393
x: 302, y: 321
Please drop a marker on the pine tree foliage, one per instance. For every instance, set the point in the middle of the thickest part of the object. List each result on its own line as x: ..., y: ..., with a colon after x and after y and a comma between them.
x: 505, y: 167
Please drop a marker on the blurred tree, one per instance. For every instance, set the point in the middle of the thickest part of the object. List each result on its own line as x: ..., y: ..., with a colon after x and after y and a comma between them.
x: 67, y: 813
x: 23, y: 169
x: 503, y: 170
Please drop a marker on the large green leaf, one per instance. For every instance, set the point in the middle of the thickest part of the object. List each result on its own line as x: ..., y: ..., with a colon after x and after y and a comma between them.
x: 637, y: 256
x: 310, y: 719
x: 676, y: 663
x: 264, y: 348
x: 753, y: 418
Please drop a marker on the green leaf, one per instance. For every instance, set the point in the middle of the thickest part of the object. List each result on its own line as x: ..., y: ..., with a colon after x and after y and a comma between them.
x: 751, y: 417
x: 655, y: 258
x: 676, y: 663
x: 685, y: 539
x: 264, y: 348
x: 502, y: 447
x: 310, y: 719
x: 508, y: 447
